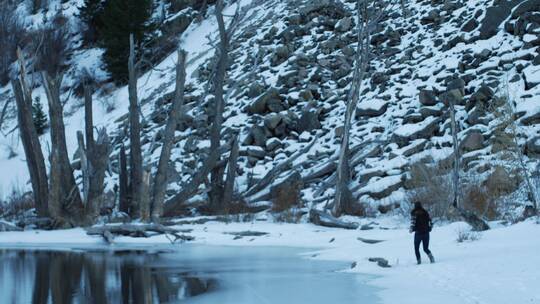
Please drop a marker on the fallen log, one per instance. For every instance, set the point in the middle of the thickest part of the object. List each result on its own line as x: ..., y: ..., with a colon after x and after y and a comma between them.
x: 326, y: 220
x: 108, y: 232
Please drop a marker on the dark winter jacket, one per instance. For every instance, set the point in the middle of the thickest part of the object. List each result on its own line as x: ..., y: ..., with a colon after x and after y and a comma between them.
x: 420, y: 221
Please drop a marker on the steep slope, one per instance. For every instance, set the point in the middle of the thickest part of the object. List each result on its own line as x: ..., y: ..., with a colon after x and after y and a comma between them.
x: 287, y: 87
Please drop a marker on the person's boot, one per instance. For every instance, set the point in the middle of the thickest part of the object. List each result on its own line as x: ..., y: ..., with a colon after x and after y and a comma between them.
x: 418, y: 261
x: 431, y: 258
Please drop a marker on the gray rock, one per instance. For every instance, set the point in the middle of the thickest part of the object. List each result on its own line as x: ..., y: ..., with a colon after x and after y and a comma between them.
x: 255, y: 89
x: 371, y: 111
x: 379, y: 78
x: 381, y: 262
x: 273, y: 144
x: 474, y: 140
x: 325, y: 7
x: 258, y: 136
x: 501, y: 182
x: 308, y: 121
x: 272, y: 120
x: 275, y: 105
x: 256, y: 152
x: 260, y: 105
x: 533, y: 147
x: 427, y: 131
x: 428, y: 98
x: 483, y: 94
x: 470, y: 25
x: 344, y: 25
x: 282, y: 52
x: 494, y: 16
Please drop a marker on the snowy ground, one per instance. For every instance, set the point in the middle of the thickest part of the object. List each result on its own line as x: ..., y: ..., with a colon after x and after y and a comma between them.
x: 500, y: 267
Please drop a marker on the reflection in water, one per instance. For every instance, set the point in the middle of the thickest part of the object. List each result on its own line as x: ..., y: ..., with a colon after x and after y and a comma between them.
x: 97, y: 277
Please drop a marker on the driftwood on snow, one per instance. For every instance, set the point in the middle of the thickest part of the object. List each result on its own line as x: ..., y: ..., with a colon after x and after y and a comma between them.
x: 324, y: 219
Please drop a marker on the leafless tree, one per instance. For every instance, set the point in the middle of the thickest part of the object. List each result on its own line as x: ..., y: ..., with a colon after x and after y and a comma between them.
x: 505, y: 112
x: 124, y: 192
x: 343, y: 195
x: 472, y: 219
x: 136, y: 162
x: 65, y: 201
x: 51, y: 48
x: 94, y: 159
x: 160, y: 180
x: 29, y: 137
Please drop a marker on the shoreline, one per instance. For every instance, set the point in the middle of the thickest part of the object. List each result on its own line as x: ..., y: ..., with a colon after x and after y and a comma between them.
x: 496, y: 268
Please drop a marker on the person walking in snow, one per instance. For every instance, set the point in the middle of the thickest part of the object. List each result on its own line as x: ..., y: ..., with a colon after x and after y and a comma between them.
x: 421, y: 226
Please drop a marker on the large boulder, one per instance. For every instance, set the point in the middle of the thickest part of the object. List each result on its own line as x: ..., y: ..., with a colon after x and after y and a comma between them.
x: 308, y: 121
x: 495, y: 15
x: 344, y: 25
x: 409, y: 132
x: 532, y: 148
x: 266, y: 101
x: 474, y: 140
x: 428, y: 98
x: 371, y: 108
x: 500, y: 182
x: 331, y: 8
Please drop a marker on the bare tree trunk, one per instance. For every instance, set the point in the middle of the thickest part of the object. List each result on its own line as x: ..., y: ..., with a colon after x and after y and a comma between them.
x: 30, y: 140
x: 36, y: 6
x: 64, y: 192
x: 457, y: 157
x: 123, y: 182
x: 228, y: 190
x: 94, y: 160
x: 216, y: 177
x: 160, y: 181
x: 472, y: 219
x: 136, y: 168
x: 343, y: 194
x: 32, y: 149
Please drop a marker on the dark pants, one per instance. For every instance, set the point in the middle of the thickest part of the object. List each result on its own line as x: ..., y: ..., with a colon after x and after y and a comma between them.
x: 424, y: 239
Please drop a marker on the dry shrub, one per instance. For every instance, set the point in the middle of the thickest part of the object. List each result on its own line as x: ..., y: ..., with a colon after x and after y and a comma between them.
x: 292, y: 215
x: 17, y: 203
x: 12, y: 35
x: 432, y: 186
x: 467, y: 235
x: 287, y: 193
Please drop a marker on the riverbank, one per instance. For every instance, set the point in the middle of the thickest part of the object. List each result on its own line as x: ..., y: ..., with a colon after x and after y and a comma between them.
x: 497, y: 266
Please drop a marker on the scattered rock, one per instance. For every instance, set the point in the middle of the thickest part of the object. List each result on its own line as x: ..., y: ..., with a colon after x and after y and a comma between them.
x: 428, y: 98
x: 474, y: 140
x: 382, y: 262
x: 344, y: 25
x: 369, y: 241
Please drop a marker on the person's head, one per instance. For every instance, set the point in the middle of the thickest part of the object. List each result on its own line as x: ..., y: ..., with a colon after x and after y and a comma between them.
x: 417, y: 205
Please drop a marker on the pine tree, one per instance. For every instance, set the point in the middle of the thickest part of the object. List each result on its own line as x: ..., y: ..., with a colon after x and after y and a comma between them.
x: 39, y: 117
x: 120, y: 19
x: 91, y: 15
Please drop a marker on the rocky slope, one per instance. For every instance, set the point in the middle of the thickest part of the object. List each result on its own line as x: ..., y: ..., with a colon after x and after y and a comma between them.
x: 291, y: 71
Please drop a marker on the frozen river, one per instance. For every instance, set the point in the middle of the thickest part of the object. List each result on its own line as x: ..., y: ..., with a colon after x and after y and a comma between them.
x: 185, y: 274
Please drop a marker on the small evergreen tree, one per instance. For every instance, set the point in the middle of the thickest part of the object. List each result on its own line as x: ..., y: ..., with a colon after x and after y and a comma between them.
x: 39, y: 117
x: 120, y: 19
x: 91, y: 16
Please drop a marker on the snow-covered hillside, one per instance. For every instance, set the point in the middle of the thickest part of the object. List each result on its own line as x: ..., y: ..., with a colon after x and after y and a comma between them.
x: 291, y: 71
